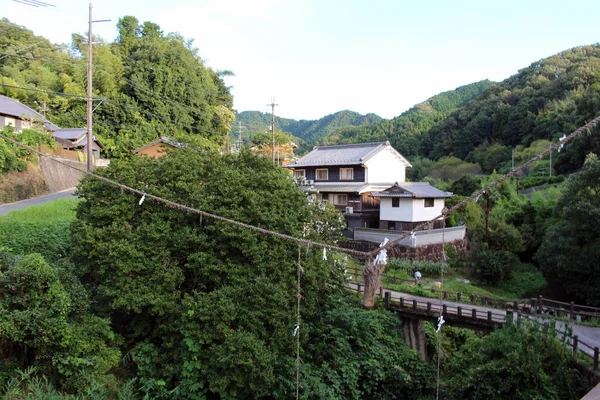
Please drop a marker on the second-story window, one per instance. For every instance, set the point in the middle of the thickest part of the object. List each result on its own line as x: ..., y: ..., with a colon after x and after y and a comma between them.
x: 429, y: 202
x: 346, y: 174
x: 299, y: 173
x: 395, y: 202
x: 322, y: 174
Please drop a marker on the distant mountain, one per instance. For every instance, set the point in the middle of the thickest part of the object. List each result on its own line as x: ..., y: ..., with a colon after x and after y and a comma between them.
x: 404, y: 131
x: 551, y: 97
x: 309, y: 131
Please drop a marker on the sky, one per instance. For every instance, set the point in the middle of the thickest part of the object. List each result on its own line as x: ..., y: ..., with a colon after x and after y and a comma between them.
x: 317, y: 57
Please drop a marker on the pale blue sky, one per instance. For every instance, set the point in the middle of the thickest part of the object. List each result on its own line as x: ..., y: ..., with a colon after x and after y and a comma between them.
x: 318, y: 57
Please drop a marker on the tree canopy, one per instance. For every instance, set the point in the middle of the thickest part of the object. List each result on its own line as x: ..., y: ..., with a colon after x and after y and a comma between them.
x: 154, y: 84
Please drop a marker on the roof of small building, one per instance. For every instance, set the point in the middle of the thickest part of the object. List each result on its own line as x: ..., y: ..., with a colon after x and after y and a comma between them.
x: 69, y: 133
x: 166, y: 140
x: 71, y: 136
x: 14, y: 108
x: 412, y: 190
x: 346, y: 154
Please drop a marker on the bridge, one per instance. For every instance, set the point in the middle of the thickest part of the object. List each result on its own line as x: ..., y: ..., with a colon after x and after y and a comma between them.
x: 461, y: 311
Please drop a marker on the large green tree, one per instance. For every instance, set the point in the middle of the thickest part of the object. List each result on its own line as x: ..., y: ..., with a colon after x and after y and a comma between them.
x: 570, y: 251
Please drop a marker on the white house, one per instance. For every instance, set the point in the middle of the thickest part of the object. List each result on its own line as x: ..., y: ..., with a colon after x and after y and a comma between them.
x: 346, y: 175
x: 407, y: 204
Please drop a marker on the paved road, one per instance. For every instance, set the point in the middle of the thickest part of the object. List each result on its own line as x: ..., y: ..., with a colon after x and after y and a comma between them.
x: 6, y: 208
x: 587, y: 334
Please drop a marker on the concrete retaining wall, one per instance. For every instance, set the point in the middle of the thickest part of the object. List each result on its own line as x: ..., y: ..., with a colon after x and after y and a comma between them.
x: 60, y: 177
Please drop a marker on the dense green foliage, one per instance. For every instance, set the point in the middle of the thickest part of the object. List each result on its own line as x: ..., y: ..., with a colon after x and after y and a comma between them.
x: 309, y: 131
x: 44, y: 321
x: 39, y: 229
x: 571, y: 248
x: 154, y: 83
x: 206, y: 308
x: 13, y: 157
x: 515, y: 362
x: 404, y: 131
x: 549, y: 98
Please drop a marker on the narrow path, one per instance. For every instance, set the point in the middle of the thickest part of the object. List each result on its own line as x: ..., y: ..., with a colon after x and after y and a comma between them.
x: 6, y: 208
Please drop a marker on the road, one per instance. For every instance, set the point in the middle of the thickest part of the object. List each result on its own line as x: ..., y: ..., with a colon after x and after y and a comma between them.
x: 587, y: 334
x: 6, y: 208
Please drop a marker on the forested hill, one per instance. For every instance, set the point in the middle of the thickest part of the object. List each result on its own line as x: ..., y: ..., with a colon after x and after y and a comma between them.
x: 153, y: 83
x: 403, y: 131
x: 549, y: 98
x: 310, y: 131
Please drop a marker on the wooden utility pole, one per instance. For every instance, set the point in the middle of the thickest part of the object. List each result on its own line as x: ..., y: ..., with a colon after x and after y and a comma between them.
x: 273, y: 128
x: 90, y: 136
x: 240, y: 136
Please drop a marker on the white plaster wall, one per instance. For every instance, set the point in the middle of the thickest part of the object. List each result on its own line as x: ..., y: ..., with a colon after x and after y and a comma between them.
x: 385, y: 167
x: 421, y: 238
x: 410, y: 210
x: 402, y: 213
x: 422, y: 213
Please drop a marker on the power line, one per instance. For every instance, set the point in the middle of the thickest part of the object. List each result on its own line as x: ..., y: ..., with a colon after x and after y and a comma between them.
x: 34, y: 3
x: 50, y: 92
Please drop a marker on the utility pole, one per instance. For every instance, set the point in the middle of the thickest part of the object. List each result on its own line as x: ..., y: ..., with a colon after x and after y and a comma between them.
x: 90, y: 137
x: 550, y: 161
x: 273, y: 128
x: 44, y: 109
x: 240, y: 136
x: 513, y: 159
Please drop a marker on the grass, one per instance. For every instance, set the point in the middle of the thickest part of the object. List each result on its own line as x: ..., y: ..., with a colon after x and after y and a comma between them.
x: 40, y: 229
x: 525, y: 282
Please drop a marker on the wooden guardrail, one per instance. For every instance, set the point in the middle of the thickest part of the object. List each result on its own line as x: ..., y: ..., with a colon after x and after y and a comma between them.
x: 537, y: 305
x: 475, y: 317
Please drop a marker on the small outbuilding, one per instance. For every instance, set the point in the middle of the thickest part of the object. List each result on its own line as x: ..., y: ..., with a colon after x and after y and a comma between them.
x: 407, y: 204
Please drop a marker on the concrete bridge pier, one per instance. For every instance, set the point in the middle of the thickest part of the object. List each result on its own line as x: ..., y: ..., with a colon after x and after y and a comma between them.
x: 414, y: 335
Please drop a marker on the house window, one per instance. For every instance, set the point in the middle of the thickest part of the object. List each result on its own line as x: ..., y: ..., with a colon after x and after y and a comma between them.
x: 429, y: 202
x: 346, y: 174
x: 322, y: 197
x: 395, y: 202
x: 339, y: 199
x: 300, y: 173
x: 322, y: 174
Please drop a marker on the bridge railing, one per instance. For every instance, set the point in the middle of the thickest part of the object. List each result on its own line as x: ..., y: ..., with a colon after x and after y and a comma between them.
x: 537, y: 305
x: 473, y: 314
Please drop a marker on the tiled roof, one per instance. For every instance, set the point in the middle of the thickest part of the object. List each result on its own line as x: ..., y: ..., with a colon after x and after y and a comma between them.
x: 15, y: 108
x: 73, y: 137
x: 69, y: 133
x: 413, y: 190
x: 347, y: 154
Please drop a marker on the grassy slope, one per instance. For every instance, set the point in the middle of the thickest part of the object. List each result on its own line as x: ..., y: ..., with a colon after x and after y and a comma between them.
x: 39, y: 229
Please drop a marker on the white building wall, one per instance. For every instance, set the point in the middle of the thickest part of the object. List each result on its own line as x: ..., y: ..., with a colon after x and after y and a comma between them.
x: 410, y: 210
x: 402, y: 213
x: 422, y: 213
x: 420, y: 238
x: 385, y: 167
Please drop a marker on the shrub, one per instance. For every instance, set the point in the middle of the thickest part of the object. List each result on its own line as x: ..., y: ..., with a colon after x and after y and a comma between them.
x: 495, y: 266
